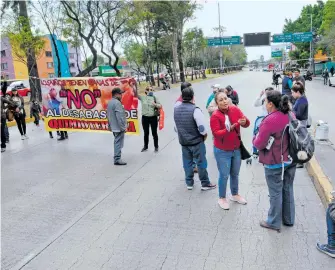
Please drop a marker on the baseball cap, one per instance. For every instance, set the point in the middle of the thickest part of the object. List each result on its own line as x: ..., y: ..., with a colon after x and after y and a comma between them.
x: 216, y: 85
x: 117, y: 91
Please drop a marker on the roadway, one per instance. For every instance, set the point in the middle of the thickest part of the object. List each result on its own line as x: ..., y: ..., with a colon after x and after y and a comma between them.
x: 65, y: 206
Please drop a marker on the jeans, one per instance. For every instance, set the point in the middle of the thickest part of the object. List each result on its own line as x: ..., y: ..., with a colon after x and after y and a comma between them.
x: 147, y: 122
x: 3, y: 134
x: 330, y: 230
x: 325, y: 80
x: 21, y: 122
x: 229, y: 164
x: 6, y: 132
x: 37, y: 118
x: 282, y: 207
x: 118, y: 145
x: 195, y: 153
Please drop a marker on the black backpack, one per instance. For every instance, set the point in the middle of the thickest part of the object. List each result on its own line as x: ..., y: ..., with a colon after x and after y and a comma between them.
x: 301, y: 144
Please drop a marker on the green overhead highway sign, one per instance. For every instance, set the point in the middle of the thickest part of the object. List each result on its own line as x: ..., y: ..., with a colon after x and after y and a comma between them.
x: 276, y: 54
x: 287, y: 37
x: 224, y: 41
x: 214, y: 42
x: 303, y: 37
x: 234, y: 40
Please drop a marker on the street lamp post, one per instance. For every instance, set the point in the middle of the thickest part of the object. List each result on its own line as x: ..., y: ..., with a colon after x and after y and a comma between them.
x: 311, y: 56
x: 221, y: 63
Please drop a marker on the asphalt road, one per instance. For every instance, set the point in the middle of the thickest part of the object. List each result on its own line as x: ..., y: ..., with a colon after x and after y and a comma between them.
x: 65, y: 206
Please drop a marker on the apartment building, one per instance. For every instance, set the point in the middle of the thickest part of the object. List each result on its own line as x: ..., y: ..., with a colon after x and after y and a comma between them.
x: 47, y: 63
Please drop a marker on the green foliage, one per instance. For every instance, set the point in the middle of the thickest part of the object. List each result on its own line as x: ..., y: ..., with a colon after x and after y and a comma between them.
x: 328, y: 20
x: 193, y: 43
x: 23, y: 40
x: 88, y: 62
x: 328, y: 42
x: 135, y: 54
x: 303, y: 23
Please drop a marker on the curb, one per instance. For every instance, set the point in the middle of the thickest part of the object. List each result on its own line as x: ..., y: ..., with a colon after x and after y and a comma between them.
x: 13, y: 123
x: 321, y: 182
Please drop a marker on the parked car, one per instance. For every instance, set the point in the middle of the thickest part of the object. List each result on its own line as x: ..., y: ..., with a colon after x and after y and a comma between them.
x: 23, y: 90
x: 331, y: 81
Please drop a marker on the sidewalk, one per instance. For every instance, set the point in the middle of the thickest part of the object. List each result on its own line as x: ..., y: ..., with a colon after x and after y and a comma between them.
x: 65, y: 206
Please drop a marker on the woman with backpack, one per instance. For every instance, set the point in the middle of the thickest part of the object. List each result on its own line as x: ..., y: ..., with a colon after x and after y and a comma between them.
x: 150, y: 113
x: 272, y: 141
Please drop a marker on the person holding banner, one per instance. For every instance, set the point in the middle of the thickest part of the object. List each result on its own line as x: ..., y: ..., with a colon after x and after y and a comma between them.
x: 117, y: 123
x: 150, y: 112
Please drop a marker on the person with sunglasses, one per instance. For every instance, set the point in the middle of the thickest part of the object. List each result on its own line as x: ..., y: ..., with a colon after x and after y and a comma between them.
x: 150, y: 114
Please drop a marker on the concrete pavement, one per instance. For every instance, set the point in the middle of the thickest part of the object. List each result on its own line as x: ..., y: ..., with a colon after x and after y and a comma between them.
x: 65, y: 206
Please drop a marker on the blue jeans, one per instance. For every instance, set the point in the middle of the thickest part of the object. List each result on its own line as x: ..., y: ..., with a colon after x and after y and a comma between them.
x: 190, y: 155
x: 282, y: 208
x: 229, y: 164
x: 330, y: 230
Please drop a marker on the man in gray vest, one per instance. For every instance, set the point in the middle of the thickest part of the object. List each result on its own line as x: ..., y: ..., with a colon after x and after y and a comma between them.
x: 118, y: 123
x: 190, y: 125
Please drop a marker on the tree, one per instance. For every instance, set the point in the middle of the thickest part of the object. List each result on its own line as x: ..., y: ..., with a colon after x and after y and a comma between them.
x: 194, y: 42
x: 182, y: 12
x: 26, y: 45
x: 86, y: 17
x: 113, y: 27
x: 328, y: 41
x: 89, y: 60
x: 53, y: 24
x: 328, y: 19
x: 303, y: 24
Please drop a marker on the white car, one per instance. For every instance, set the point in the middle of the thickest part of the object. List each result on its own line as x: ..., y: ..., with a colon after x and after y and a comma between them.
x: 331, y: 81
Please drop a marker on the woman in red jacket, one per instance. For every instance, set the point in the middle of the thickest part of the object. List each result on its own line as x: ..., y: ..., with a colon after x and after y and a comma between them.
x: 225, y: 124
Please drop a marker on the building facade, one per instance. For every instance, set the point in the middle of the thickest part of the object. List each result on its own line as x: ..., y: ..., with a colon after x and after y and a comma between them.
x: 47, y: 61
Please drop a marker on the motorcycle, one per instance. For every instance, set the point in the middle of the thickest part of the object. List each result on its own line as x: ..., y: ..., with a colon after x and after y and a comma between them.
x: 165, y: 82
x: 308, y: 76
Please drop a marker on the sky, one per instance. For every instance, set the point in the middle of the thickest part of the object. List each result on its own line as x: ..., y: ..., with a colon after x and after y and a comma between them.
x: 248, y: 16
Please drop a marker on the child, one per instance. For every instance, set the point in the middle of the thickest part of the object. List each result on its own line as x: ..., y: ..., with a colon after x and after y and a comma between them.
x: 35, y: 110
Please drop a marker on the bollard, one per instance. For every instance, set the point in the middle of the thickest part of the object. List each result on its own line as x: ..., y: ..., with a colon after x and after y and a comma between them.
x: 321, y: 131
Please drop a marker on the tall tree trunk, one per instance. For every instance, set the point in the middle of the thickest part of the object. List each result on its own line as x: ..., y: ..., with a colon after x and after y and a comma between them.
x: 174, y: 55
x: 180, y: 55
x: 34, y: 82
x: 157, y: 62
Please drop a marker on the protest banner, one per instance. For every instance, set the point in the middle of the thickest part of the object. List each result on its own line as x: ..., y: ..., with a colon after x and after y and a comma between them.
x: 80, y: 104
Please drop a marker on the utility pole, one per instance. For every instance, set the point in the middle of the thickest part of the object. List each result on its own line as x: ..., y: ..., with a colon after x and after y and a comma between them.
x: 311, y: 56
x: 221, y: 63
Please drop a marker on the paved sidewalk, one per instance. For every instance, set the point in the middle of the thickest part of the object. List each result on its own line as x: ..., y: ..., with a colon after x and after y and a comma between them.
x: 65, y: 206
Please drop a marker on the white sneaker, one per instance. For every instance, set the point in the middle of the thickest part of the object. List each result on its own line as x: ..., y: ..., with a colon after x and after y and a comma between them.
x: 189, y: 187
x: 22, y: 137
x: 239, y: 199
x: 26, y: 137
x: 223, y: 204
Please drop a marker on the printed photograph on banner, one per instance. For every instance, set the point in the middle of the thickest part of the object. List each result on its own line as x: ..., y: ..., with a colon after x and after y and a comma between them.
x: 80, y: 104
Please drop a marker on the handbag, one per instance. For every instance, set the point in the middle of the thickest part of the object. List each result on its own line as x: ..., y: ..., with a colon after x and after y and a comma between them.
x: 157, y: 111
x: 244, y: 152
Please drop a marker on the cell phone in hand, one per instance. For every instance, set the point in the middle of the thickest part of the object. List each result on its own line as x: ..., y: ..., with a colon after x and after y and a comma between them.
x: 270, y: 142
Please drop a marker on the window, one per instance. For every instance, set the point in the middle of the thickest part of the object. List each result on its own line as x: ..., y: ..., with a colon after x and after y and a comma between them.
x: 51, y: 75
x: 71, y: 55
x: 4, y: 66
x: 48, y: 54
x: 50, y: 64
x: 72, y: 65
x: 3, y: 53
